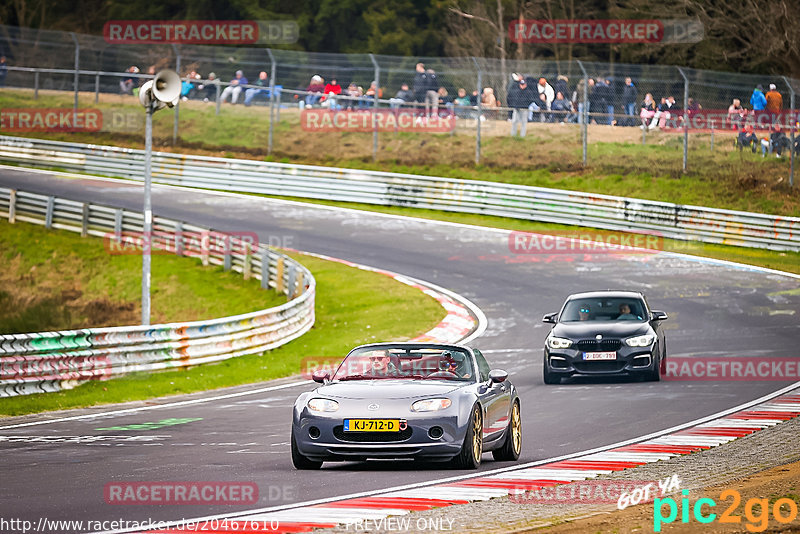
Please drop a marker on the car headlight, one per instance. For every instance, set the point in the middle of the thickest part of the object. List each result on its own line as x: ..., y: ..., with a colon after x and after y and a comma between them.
x: 558, y: 343
x: 430, y: 405
x: 323, y: 405
x: 641, y: 341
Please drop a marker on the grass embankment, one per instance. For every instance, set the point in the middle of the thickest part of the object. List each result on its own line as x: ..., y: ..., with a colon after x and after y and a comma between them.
x: 352, y: 307
x: 550, y: 156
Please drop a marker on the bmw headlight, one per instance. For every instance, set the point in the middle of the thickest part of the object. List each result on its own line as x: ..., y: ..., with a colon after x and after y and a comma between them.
x: 558, y: 343
x: 641, y: 341
x: 323, y: 405
x: 430, y: 405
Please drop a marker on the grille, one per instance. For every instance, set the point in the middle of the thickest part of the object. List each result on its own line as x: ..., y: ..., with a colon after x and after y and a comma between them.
x: 371, y: 437
x: 599, y: 367
x: 592, y: 345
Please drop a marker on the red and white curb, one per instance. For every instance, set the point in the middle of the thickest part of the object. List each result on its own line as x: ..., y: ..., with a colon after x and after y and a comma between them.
x: 464, y: 320
x: 696, y: 436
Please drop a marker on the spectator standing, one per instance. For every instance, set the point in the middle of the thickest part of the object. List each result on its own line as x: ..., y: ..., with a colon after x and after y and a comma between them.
x: 3, y: 71
x: 126, y: 85
x: 736, y: 114
x: 261, y: 89
x: 547, y: 90
x: 601, y: 96
x: 431, y: 93
x: 774, y: 100
x: 420, y: 83
x: 520, y: 96
x: 315, y: 90
x: 630, y: 96
x: 579, y: 97
x: 235, y: 88
x: 757, y: 99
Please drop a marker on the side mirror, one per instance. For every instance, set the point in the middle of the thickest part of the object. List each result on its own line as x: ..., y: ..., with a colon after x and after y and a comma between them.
x: 320, y: 376
x: 550, y: 317
x: 659, y: 315
x: 497, y: 375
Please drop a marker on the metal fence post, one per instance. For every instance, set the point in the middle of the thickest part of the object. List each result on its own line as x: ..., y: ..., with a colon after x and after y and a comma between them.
x: 48, y: 217
x: 585, y: 119
x: 96, y: 87
x: 264, y: 268
x: 219, y: 90
x: 36, y: 84
x: 685, y: 119
x: 77, y: 73
x: 227, y: 260
x: 478, y: 117
x: 272, y: 70
x: 375, y: 108
x: 12, y: 206
x: 85, y: 220
x: 794, y: 130
x: 178, y: 105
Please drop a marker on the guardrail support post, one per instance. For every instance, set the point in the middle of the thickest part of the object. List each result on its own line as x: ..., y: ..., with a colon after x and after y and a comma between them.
x: 96, y: 87
x: 12, y: 206
x: 685, y: 120
x: 290, y: 291
x: 279, y: 284
x: 36, y: 84
x: 264, y: 268
x: 585, y: 118
x: 226, y: 254
x: 219, y: 90
x: 375, y: 108
x: 794, y: 131
x: 118, y: 225
x: 272, y: 70
x: 76, y: 79
x: 85, y: 220
x: 478, y: 118
x: 48, y: 217
x: 247, y: 261
x: 178, y: 105
x: 179, y: 239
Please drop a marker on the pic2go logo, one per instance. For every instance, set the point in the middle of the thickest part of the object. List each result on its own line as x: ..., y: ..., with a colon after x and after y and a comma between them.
x: 756, y: 511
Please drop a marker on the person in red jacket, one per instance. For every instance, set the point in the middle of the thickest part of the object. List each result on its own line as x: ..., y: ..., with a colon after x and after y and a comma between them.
x: 332, y: 90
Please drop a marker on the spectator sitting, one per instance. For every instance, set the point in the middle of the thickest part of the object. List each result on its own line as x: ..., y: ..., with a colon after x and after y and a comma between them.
x: 209, y: 88
x: 648, y: 110
x: 354, y: 94
x: 747, y: 138
x: 473, y: 99
x: 401, y: 97
x: 736, y: 114
x: 4, y: 71
x: 235, y: 88
x: 462, y: 101
x: 774, y: 100
x: 189, y: 86
x: 125, y: 86
x: 372, y: 91
x: 542, y: 107
x: 778, y: 142
x: 261, y: 90
x: 561, y: 108
x: 315, y: 89
x: 561, y: 85
x: 757, y: 99
x: 332, y: 90
x: 489, y: 101
x: 693, y: 107
x: 445, y: 100
x: 662, y: 109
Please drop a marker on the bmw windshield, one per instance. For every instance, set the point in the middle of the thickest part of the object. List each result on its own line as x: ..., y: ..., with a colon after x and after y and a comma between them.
x: 603, y: 309
x: 400, y: 363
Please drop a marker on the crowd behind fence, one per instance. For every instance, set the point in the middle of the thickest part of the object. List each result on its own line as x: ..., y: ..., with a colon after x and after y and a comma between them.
x: 479, y: 93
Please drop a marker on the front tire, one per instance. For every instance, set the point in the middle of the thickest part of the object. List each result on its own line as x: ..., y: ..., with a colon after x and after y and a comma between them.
x: 472, y: 449
x: 300, y: 461
x: 549, y: 377
x: 655, y: 374
x: 512, y: 445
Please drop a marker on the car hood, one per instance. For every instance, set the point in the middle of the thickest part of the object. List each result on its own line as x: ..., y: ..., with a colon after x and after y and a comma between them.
x: 589, y: 330
x: 387, y: 389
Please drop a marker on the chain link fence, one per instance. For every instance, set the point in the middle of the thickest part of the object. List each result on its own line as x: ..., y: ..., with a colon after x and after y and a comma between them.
x: 475, y: 97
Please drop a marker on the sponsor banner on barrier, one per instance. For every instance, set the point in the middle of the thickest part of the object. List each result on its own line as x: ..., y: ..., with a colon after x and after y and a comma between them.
x: 731, y: 368
x: 385, y: 120
x: 232, y: 32
x: 181, y: 493
x: 705, y: 120
x: 584, y: 242
x: 193, y: 244
x: 50, y: 120
x: 561, y: 31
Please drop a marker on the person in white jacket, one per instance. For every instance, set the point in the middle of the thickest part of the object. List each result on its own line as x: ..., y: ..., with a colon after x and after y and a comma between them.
x: 547, y: 89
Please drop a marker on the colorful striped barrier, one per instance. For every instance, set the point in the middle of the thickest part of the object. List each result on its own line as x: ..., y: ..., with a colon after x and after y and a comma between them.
x: 51, y: 361
x: 511, y: 481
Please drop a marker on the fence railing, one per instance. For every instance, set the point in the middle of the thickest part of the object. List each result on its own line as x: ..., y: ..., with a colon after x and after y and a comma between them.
x: 50, y: 361
x: 97, y: 66
x: 408, y: 190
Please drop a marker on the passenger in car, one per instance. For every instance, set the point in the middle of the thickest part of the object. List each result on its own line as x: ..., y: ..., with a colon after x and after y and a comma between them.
x: 625, y: 313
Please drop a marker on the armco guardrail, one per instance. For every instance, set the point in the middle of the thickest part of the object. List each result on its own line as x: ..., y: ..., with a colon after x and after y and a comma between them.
x: 49, y: 361
x: 394, y: 189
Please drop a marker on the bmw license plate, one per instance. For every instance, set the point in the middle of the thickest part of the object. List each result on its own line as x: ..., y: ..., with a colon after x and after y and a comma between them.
x: 600, y: 355
x: 374, y: 425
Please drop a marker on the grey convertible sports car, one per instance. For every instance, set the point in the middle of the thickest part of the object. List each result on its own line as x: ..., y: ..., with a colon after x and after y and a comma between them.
x: 605, y: 333
x: 408, y: 400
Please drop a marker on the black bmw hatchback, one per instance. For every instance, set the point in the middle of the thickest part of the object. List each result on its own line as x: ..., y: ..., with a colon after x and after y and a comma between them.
x: 605, y: 333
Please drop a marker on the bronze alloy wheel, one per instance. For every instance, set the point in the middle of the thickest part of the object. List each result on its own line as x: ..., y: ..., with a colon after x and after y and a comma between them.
x: 516, y: 429
x: 477, y: 436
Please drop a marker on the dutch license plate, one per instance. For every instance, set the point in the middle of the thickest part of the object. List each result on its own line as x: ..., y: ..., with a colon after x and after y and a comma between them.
x: 599, y: 356
x: 374, y: 425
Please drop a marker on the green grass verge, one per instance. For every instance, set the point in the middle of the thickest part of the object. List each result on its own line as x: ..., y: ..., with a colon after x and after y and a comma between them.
x: 352, y: 307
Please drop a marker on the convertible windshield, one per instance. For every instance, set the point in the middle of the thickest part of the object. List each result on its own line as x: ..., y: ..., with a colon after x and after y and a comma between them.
x: 400, y: 363
x: 603, y: 309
